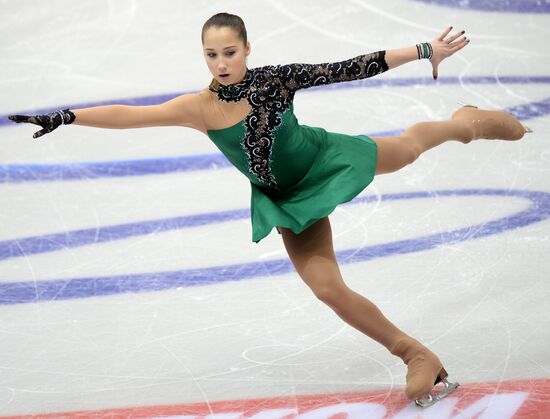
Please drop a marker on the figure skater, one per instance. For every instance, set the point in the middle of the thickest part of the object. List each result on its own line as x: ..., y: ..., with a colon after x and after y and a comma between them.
x: 298, y: 174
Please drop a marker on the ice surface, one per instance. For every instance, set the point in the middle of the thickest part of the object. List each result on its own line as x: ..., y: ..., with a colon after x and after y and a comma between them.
x: 73, y: 338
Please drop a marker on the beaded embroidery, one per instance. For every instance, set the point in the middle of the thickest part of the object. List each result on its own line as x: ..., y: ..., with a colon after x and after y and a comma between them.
x: 235, y: 92
x: 270, y: 91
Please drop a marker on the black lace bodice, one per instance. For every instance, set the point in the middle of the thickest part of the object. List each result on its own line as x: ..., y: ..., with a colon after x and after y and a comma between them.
x: 270, y: 91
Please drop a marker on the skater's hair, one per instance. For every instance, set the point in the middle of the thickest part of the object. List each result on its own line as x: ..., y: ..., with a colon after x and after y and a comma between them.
x: 221, y: 20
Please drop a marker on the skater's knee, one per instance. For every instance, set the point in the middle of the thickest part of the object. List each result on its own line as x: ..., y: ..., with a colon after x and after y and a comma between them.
x: 411, y: 149
x: 331, y: 294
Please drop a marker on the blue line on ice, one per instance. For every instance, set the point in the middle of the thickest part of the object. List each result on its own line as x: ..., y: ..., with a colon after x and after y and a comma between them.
x: 507, y: 6
x: 17, y: 173
x: 33, y: 291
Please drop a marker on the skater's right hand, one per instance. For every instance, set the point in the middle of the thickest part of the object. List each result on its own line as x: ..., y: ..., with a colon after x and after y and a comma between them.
x: 48, y: 122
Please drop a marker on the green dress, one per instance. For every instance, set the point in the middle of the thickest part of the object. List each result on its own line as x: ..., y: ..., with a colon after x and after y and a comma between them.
x: 298, y: 174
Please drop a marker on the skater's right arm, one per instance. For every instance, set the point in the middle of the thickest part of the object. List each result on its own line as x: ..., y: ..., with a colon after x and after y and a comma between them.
x: 183, y: 110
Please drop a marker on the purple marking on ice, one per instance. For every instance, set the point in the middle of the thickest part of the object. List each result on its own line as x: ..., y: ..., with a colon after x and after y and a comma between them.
x: 17, y: 173
x: 59, y: 172
x: 58, y: 241
x: 33, y: 291
x: 506, y: 6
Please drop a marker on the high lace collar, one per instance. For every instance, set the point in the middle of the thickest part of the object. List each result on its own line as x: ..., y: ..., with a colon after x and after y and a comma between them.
x: 237, y: 91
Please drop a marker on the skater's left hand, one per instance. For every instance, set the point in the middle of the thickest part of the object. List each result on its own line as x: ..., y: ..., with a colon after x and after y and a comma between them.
x: 444, y: 46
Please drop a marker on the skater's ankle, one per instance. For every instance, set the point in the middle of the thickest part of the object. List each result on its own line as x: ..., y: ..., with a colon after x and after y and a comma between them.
x: 401, y: 344
x: 467, y: 131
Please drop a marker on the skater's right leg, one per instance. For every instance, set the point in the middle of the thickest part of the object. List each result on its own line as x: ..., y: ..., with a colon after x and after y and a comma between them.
x: 313, y: 256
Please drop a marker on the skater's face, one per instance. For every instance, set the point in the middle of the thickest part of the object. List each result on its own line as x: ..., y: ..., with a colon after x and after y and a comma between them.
x: 225, y: 54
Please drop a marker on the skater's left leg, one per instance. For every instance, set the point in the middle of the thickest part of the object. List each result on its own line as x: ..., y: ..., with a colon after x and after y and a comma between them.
x: 397, y: 152
x: 466, y: 124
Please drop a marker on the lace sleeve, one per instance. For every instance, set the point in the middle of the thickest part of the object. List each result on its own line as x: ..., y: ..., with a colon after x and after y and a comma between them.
x: 298, y: 76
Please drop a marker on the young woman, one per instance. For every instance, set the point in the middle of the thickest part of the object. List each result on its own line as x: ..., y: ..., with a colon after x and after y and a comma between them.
x: 299, y: 174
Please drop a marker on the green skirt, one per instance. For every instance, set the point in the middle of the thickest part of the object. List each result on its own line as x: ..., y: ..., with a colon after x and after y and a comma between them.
x: 343, y: 167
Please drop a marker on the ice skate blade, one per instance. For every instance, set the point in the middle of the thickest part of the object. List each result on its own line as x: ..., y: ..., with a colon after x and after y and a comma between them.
x: 431, y: 400
x: 525, y: 127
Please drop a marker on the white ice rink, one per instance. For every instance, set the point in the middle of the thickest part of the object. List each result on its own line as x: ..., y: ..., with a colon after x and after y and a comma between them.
x: 128, y: 278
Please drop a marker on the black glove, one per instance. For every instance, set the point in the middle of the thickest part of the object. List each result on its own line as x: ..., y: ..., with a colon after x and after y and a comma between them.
x: 48, y: 122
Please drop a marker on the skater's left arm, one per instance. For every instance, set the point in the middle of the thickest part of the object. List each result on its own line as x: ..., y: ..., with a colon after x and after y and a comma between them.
x: 298, y: 76
x: 441, y: 47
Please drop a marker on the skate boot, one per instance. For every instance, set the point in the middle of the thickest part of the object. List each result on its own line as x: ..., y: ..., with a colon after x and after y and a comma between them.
x: 424, y: 372
x: 491, y: 125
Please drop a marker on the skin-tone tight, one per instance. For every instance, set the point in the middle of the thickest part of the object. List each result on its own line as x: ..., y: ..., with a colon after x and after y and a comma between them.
x: 312, y: 252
